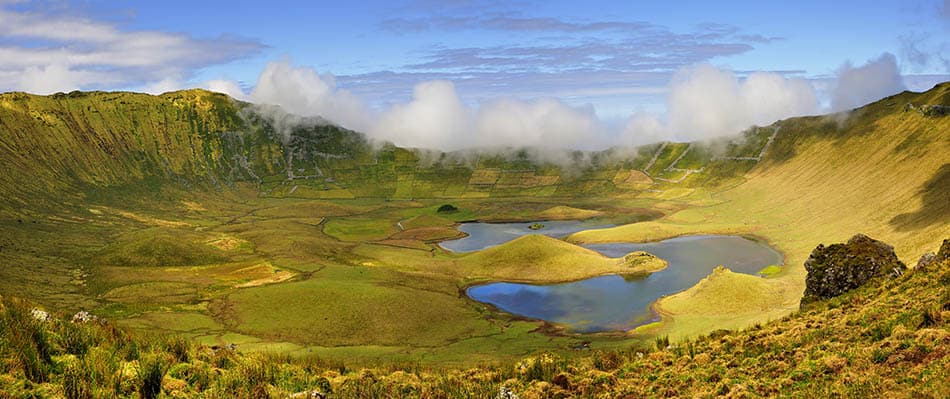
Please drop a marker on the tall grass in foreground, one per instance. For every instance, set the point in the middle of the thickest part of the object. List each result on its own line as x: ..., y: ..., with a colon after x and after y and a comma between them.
x: 891, y: 336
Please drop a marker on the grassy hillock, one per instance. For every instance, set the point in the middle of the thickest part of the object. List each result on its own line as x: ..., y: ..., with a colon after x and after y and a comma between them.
x: 539, y: 258
x: 890, y: 335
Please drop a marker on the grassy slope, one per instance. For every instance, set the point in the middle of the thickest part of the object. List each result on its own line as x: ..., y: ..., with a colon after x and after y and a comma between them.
x: 890, y: 337
x: 563, y: 212
x: 712, y: 304
x: 58, y: 144
x: 882, y: 171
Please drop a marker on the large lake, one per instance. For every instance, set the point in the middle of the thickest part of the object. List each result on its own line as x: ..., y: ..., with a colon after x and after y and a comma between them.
x: 613, y: 303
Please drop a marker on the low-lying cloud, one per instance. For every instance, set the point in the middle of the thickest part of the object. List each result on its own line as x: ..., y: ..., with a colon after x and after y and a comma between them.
x: 437, y: 118
x: 707, y: 102
x: 857, y: 86
x: 703, y: 102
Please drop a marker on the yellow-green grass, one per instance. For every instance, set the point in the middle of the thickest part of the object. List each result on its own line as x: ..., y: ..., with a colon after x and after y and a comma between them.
x: 161, y: 247
x: 308, y: 208
x: 564, y: 212
x: 404, y: 243
x: 153, y: 292
x: 429, y: 234
x: 425, y: 220
x: 206, y: 276
x: 291, y: 243
x: 770, y: 270
x: 360, y: 229
x: 654, y: 231
x: 183, y: 322
x: 722, y: 300
x: 355, y: 306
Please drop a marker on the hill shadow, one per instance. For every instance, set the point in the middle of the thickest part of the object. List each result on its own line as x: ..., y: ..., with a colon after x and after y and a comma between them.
x: 936, y: 203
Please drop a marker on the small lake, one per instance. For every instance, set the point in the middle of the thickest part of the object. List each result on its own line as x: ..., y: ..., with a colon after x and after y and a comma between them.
x: 484, y: 235
x: 615, y: 303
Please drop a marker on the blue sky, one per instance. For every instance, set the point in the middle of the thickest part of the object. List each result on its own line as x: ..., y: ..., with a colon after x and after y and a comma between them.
x: 615, y: 57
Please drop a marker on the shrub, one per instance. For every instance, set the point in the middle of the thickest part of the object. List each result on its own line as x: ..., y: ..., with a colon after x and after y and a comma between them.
x: 149, y: 375
x: 607, y: 361
x: 447, y: 208
x: 77, y: 338
x: 76, y: 381
x: 662, y: 342
x: 25, y: 340
x: 178, y: 347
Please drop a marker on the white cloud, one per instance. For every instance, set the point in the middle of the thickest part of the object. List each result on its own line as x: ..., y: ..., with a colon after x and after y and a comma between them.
x: 164, y: 86
x: 44, y: 53
x: 644, y: 128
x: 707, y: 102
x: 228, y: 87
x: 857, y: 86
x: 545, y: 123
x: 50, y: 78
x: 703, y: 102
x: 302, y: 91
x: 437, y: 118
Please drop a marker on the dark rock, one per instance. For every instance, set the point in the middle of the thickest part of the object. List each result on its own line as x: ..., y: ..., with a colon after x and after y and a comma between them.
x: 935, y: 110
x: 926, y: 260
x: 838, y: 268
x: 944, y: 252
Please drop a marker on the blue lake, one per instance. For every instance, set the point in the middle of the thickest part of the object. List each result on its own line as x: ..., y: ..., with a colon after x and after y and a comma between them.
x: 615, y: 303
x: 484, y: 235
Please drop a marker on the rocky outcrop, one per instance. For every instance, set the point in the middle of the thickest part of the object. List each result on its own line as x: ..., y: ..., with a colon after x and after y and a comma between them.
x: 944, y: 252
x: 925, y: 261
x: 929, y: 258
x: 838, y: 268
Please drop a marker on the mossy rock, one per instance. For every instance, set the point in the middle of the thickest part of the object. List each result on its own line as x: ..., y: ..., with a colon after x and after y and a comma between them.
x: 839, y: 268
x: 944, y: 252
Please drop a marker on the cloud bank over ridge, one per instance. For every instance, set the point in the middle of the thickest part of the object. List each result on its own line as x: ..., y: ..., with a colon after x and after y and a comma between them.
x: 703, y: 102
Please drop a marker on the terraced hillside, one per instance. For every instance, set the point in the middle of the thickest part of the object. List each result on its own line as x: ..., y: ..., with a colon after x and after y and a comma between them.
x: 65, y: 145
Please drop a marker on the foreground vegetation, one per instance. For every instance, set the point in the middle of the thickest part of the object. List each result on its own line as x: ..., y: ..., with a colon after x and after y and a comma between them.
x: 891, y: 335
